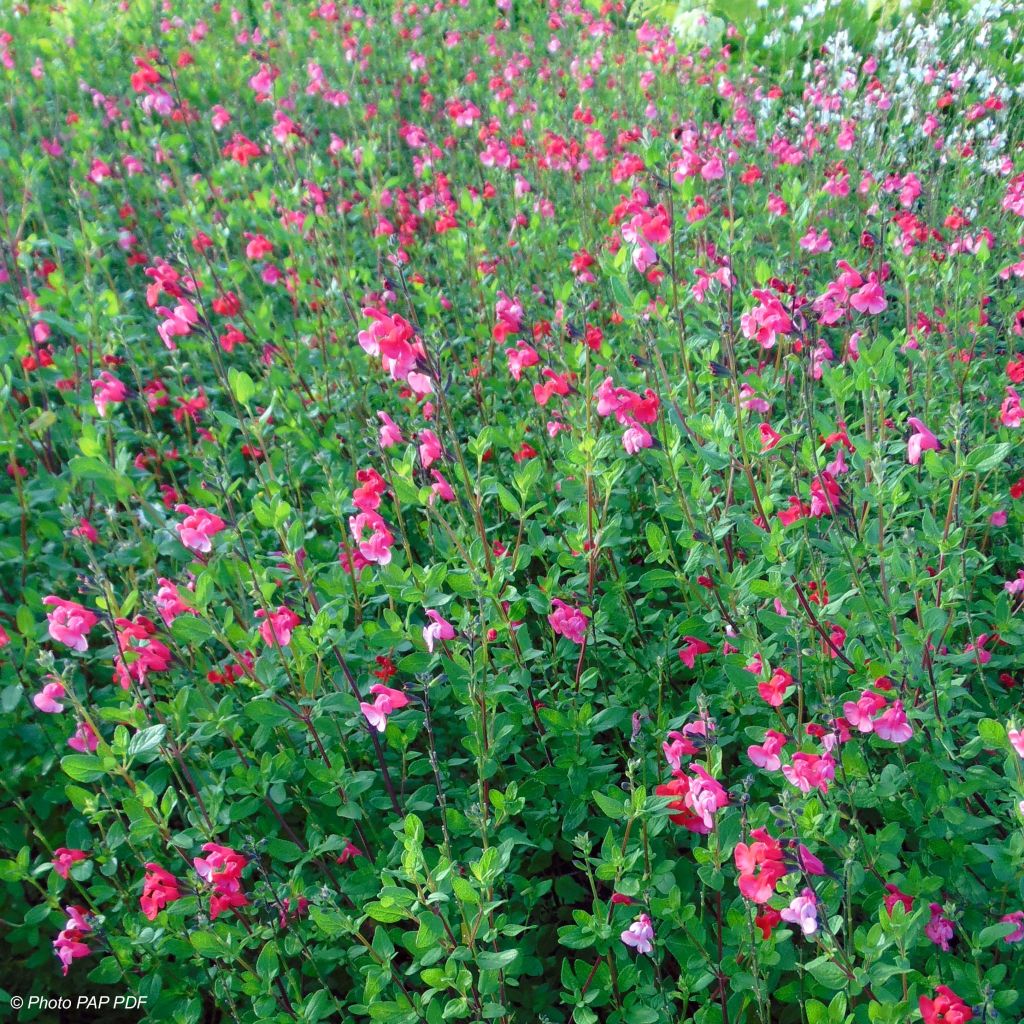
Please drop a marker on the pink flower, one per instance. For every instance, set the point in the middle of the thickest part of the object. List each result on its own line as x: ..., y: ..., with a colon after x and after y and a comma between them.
x: 430, y: 448
x: 568, y: 622
x: 636, y: 438
x: 894, y: 896
x: 198, y: 527
x: 775, y: 689
x: 922, y: 440
x: 892, y: 725
x: 692, y: 646
x: 349, y: 852
x: 159, y: 889
x: 387, y: 700
x: 939, y: 928
x: 760, y: 866
x: 767, y: 320
x: 869, y: 298
x: 803, y: 911
x: 859, y: 713
x: 695, y: 800
x: 85, y: 740
x: 440, y: 488
x: 107, y: 390
x: 767, y: 754
x: 640, y: 935
x: 438, y: 629
x: 86, y: 530
x: 372, y: 537
x: 169, y: 602
x: 810, y: 771
x: 69, y: 622
x: 278, y: 626
x: 1010, y: 412
x: 221, y: 868
x: 390, y: 435
x: 47, y: 700
x: 1016, y: 737
x: 1015, y: 586
x: 69, y: 944
x: 676, y: 747
x: 63, y: 858
x: 1017, y: 918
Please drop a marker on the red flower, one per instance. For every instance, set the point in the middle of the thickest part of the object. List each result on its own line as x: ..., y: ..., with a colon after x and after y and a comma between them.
x: 946, y: 1008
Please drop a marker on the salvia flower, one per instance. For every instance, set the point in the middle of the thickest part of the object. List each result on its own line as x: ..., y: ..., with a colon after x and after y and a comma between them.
x: 945, y: 1008
x: 221, y: 869
x: 63, y: 858
x: 437, y: 629
x: 568, y: 621
x: 198, y: 528
x: 70, y: 943
x: 803, y: 912
x: 69, y: 622
x: 386, y: 700
x: 640, y: 935
x: 159, y: 889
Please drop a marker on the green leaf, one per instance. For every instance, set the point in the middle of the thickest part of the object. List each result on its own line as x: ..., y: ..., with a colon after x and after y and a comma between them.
x: 82, y: 767
x: 827, y: 973
x: 146, y: 739
x: 191, y: 630
x: 267, y: 963
x: 284, y: 849
x: 610, y: 806
x: 207, y: 944
x: 994, y: 932
x: 992, y: 732
x: 242, y: 386
x: 491, y: 961
x: 385, y: 914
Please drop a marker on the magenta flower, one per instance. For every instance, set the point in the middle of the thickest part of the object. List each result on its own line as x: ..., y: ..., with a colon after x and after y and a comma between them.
x: 107, y: 390
x: 1016, y: 737
x: 438, y: 629
x: 221, y: 868
x: 48, y: 699
x: 568, y: 621
x: 169, y: 602
x: 386, y: 701
x: 692, y: 646
x: 892, y: 724
x: 766, y: 754
x: 939, y: 928
x: 389, y: 435
x: 85, y: 740
x: 198, y: 527
x: 372, y: 537
x: 869, y: 298
x: 278, y: 626
x: 69, y: 944
x: 922, y: 440
x: 159, y: 889
x: 859, y: 713
x: 69, y: 622
x: 640, y: 935
x: 429, y: 448
x: 63, y: 858
x: 803, y: 912
x: 1010, y: 413
x: 1017, y: 918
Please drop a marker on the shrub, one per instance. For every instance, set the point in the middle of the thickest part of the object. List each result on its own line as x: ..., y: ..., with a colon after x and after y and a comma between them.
x: 509, y: 517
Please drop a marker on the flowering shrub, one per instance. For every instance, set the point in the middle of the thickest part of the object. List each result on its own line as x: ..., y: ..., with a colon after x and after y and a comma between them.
x: 512, y: 514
